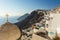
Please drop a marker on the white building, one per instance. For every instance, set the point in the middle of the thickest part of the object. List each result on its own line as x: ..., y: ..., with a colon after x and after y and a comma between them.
x: 54, y: 23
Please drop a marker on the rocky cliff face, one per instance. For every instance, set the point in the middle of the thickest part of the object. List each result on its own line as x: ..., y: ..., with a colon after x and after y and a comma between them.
x: 34, y: 17
x: 26, y: 24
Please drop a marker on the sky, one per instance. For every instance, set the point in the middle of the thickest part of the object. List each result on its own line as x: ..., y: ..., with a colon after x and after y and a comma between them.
x: 21, y: 7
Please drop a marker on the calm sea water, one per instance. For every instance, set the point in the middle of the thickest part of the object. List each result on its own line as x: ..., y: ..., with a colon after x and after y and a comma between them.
x: 11, y: 19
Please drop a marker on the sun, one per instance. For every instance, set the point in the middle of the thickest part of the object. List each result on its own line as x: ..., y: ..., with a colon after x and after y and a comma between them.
x: 4, y: 14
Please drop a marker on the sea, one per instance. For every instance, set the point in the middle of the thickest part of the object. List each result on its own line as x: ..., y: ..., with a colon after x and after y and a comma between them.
x: 10, y: 19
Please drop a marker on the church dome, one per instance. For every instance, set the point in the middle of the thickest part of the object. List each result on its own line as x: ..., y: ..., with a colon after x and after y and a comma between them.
x: 9, y: 31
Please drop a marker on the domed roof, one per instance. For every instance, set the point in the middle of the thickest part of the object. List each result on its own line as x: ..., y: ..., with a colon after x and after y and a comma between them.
x: 9, y: 31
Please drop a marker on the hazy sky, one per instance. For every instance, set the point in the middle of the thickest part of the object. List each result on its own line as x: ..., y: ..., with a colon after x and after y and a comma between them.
x: 20, y: 7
